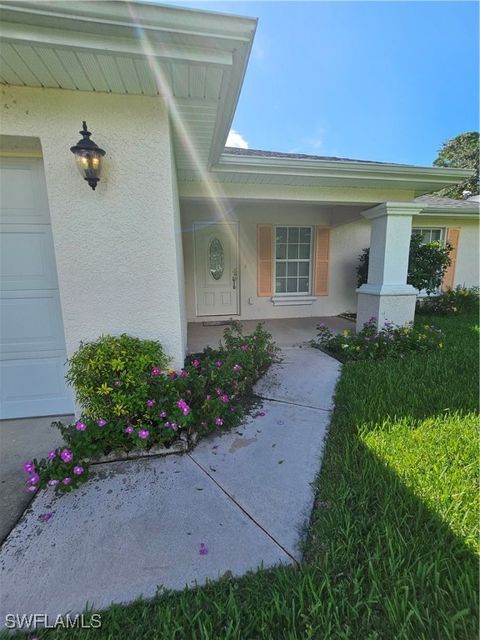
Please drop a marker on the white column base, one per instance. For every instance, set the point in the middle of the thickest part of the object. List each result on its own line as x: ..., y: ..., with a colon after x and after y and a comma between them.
x: 385, y: 303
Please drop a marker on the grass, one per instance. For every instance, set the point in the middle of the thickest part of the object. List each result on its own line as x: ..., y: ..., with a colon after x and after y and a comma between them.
x: 391, y: 552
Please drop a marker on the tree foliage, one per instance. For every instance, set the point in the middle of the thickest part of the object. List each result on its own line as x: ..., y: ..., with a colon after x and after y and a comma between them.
x: 462, y: 152
x: 426, y: 265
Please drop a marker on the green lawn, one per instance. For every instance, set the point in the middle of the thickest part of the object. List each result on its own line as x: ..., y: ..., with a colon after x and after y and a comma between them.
x: 393, y: 541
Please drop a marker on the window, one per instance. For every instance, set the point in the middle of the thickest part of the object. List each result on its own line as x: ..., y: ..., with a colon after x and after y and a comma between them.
x: 293, y: 260
x: 430, y: 235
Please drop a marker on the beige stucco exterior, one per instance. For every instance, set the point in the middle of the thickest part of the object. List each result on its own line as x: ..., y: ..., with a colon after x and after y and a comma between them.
x: 118, y: 249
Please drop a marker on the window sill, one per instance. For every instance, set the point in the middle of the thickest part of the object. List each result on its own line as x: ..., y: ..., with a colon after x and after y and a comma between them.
x: 291, y: 301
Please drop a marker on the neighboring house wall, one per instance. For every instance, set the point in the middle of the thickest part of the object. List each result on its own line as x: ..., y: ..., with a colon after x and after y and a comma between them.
x: 467, y: 266
x: 118, y: 249
x: 346, y: 244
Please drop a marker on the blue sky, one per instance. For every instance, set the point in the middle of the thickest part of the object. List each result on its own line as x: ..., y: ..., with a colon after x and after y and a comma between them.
x: 387, y: 81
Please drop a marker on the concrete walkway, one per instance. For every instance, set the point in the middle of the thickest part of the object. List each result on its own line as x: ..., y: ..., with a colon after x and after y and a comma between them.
x: 238, y: 500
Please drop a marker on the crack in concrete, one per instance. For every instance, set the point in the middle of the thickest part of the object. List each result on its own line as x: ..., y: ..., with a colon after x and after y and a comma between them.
x: 243, y: 510
x: 294, y: 404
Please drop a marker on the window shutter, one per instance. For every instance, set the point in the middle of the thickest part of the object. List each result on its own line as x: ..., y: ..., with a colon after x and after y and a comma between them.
x: 320, y: 268
x: 264, y: 260
x: 453, y: 235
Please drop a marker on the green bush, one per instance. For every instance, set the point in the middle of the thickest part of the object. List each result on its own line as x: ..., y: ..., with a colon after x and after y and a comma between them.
x: 451, y: 302
x: 111, y: 375
x: 373, y: 344
x: 152, y: 406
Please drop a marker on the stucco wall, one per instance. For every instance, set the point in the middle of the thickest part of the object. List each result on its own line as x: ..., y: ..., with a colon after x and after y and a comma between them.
x: 118, y: 249
x: 467, y: 268
x: 347, y: 241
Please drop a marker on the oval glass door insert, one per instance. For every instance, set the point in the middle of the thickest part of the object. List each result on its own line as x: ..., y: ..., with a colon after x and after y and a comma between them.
x: 216, y: 259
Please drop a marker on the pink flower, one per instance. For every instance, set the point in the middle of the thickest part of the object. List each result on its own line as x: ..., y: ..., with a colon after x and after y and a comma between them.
x: 66, y: 480
x: 181, y: 404
x: 51, y: 454
x: 174, y: 426
x: 34, y: 478
x: 32, y: 488
x: 143, y: 434
x: 150, y: 403
x: 244, y: 347
x: 218, y: 364
x: 101, y: 422
x: 28, y: 466
x: 163, y: 414
x: 78, y: 470
x: 236, y: 368
x: 66, y: 455
x: 195, y: 364
x: 53, y: 483
x: 80, y: 426
x: 218, y: 391
x: 156, y: 371
x: 184, y: 374
x: 129, y: 428
x: 224, y: 398
x: 219, y: 422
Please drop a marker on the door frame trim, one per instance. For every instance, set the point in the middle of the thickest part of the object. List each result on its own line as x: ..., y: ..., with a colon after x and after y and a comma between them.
x: 204, y: 223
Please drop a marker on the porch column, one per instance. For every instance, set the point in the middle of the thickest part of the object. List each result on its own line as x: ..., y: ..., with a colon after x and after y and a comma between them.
x: 387, y: 296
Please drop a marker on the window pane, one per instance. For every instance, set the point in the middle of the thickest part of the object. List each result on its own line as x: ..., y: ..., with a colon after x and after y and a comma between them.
x: 304, y: 251
x: 303, y: 268
x: 305, y: 234
x: 436, y: 234
x: 303, y: 285
x: 292, y: 251
x: 293, y: 234
x: 281, y: 234
x: 292, y: 269
x: 281, y: 251
x: 281, y: 269
x: 280, y: 285
x: 291, y: 285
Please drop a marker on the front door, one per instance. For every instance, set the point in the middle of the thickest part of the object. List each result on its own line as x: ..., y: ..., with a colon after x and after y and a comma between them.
x: 216, y: 268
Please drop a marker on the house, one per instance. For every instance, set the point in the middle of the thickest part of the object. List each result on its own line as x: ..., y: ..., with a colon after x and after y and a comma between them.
x: 179, y: 229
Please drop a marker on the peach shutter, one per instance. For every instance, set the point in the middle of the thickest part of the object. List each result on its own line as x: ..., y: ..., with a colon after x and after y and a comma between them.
x: 320, y: 268
x: 453, y: 235
x: 264, y: 260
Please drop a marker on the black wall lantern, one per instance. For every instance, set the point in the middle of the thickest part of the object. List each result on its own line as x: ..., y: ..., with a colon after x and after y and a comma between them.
x: 88, y: 156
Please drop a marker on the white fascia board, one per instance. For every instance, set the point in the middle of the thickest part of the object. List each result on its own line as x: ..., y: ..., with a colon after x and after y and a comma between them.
x: 450, y: 212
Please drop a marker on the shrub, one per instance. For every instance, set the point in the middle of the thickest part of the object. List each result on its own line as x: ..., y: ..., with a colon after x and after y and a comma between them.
x: 426, y: 266
x: 451, y: 302
x: 373, y: 344
x: 157, y: 405
x: 111, y: 375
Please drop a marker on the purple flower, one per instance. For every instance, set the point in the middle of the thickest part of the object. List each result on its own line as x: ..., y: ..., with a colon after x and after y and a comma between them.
x: 184, y: 374
x: 224, y: 398
x: 45, y: 517
x: 219, y: 422
x: 195, y: 363
x: 101, y: 422
x: 218, y: 391
x: 156, y: 371
x: 181, y: 404
x: 174, y: 426
x: 163, y: 414
x: 129, y: 428
x: 236, y: 368
x: 80, y: 426
x: 218, y: 364
x: 77, y: 470
x: 67, y: 480
x: 28, y: 466
x: 34, y: 478
x: 53, y: 483
x: 51, y: 454
x: 150, y: 403
x: 66, y: 455
x: 244, y: 347
x: 143, y: 434
x: 203, y: 549
x: 32, y: 488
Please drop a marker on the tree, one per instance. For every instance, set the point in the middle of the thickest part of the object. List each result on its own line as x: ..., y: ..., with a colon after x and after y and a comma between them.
x: 462, y: 152
x: 427, y: 264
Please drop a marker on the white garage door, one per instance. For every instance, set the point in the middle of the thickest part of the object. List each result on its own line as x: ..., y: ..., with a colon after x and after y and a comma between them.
x: 32, y: 349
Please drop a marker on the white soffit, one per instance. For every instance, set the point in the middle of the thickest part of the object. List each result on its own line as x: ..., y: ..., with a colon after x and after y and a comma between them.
x: 196, y: 58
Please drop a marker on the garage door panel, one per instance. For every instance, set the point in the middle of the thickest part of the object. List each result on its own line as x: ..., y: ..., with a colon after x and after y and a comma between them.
x: 23, y: 191
x: 34, y: 386
x: 31, y: 322
x: 27, y: 257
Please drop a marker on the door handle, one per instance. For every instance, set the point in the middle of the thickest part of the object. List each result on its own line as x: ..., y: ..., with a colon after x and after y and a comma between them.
x: 234, y: 278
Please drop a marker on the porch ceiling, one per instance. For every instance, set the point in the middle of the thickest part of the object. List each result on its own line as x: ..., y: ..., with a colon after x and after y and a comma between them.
x: 194, y: 59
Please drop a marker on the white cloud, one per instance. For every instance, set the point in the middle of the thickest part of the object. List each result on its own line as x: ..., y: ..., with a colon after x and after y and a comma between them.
x: 236, y: 139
